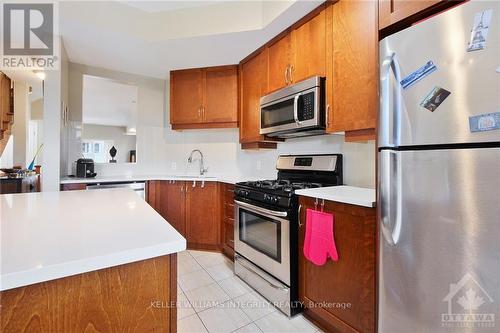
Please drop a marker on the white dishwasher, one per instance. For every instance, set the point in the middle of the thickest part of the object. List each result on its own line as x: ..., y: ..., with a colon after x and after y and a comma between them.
x: 138, y: 187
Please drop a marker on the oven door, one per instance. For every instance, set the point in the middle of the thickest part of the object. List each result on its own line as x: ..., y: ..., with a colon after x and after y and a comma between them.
x: 263, y: 237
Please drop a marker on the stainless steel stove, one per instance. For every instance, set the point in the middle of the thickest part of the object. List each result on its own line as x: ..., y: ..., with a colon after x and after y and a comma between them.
x: 266, y: 225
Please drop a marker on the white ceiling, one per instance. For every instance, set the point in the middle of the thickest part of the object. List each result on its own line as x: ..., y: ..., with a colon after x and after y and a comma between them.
x: 161, y: 6
x: 153, y: 37
x: 108, y: 102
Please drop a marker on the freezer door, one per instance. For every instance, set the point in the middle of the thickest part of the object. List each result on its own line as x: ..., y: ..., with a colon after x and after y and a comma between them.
x: 439, y: 266
x: 472, y: 78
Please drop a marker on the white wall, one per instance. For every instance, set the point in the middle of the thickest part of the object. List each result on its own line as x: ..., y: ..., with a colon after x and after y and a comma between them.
x: 159, y: 148
x: 113, y: 136
x: 55, y: 95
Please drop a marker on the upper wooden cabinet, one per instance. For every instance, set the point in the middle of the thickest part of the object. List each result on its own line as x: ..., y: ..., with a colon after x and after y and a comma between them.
x: 204, y: 97
x: 299, y: 52
x: 279, y: 62
x: 253, y: 85
x: 393, y: 11
x: 352, y: 94
x: 309, y: 52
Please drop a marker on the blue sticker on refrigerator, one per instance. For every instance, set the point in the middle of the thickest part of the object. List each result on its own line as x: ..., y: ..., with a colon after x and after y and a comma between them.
x: 485, y: 122
x: 418, y: 75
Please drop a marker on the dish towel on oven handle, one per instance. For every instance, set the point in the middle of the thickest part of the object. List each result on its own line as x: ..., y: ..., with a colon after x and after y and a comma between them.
x: 319, y: 242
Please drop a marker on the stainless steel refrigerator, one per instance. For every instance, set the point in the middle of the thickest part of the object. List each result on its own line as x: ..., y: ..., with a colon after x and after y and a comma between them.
x: 439, y: 174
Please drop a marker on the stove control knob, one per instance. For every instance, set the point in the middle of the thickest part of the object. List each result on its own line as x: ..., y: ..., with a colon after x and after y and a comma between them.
x: 246, y: 193
x: 275, y: 199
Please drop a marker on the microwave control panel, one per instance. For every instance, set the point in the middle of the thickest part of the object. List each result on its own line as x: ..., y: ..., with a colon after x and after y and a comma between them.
x: 307, y: 106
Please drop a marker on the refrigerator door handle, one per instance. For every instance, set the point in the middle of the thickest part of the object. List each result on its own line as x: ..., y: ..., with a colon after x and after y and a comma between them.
x: 390, y: 137
x: 390, y: 196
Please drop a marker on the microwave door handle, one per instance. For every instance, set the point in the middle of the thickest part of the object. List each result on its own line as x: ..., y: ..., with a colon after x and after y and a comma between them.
x: 296, y: 109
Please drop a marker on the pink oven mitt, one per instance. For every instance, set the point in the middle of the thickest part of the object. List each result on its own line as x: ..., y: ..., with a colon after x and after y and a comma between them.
x: 319, y: 242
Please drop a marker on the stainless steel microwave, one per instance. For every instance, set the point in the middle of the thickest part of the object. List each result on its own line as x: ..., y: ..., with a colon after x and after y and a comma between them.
x: 297, y: 110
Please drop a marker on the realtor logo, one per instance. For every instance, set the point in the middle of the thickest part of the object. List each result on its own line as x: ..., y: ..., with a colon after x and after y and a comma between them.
x: 29, y: 36
x: 466, y: 301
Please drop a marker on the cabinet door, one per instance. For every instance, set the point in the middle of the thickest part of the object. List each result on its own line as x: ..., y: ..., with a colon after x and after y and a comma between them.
x: 221, y: 95
x: 253, y: 79
x: 355, y: 66
x: 279, y: 63
x: 392, y: 11
x: 349, y: 280
x: 172, y: 204
x: 202, y: 216
x: 309, y: 48
x: 186, y: 96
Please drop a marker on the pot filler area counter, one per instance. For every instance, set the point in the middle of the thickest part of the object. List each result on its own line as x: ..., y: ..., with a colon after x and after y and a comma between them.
x: 78, y: 260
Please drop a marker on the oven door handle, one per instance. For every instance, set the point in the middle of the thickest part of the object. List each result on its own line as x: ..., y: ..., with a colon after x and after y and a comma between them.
x: 260, y: 209
x: 296, y: 109
x: 283, y: 289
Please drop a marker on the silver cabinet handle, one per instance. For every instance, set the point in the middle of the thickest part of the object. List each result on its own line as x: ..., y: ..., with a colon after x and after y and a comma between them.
x: 286, y: 75
x: 300, y: 209
x: 202, y: 184
x: 194, y: 183
x: 256, y: 273
x: 290, y: 74
x: 260, y: 209
x: 387, y: 193
x: 327, y: 115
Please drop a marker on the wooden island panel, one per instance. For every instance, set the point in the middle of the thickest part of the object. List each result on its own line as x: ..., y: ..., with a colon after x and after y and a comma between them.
x: 135, y: 297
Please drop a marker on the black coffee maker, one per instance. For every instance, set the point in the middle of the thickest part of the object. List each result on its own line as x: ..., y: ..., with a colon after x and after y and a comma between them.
x: 85, y: 168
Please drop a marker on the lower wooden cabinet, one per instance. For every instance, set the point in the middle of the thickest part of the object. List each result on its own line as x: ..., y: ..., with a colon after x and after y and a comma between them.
x: 227, y: 219
x: 202, y: 216
x: 191, y: 208
x: 340, y: 296
x: 172, y: 205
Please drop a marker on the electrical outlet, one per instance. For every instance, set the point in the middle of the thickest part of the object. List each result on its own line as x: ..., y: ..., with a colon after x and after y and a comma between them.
x: 173, y: 166
x: 259, y: 165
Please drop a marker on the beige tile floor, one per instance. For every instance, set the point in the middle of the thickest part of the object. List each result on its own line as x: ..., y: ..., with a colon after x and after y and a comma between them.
x: 212, y: 299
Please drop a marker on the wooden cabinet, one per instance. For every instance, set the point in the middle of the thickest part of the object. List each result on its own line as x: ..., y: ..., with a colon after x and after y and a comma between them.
x: 352, y: 95
x: 279, y: 62
x: 191, y: 208
x: 350, y: 280
x: 172, y: 205
x: 393, y: 11
x: 6, y: 110
x: 253, y: 85
x: 221, y: 95
x: 73, y: 187
x: 227, y: 218
x: 204, y: 97
x: 202, y: 215
x: 298, y: 53
x: 309, y: 52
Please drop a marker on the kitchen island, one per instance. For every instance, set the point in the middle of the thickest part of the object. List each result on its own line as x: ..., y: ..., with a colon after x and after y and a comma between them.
x: 100, y: 261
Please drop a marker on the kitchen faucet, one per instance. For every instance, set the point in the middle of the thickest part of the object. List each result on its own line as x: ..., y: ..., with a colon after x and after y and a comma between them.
x: 202, y: 165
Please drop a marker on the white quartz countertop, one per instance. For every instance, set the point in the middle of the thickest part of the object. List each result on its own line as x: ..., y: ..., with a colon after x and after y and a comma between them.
x: 135, y: 178
x: 51, y: 235
x: 345, y: 194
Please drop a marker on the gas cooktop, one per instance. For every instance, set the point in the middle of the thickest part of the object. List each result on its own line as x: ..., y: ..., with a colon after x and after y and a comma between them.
x: 294, y: 172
